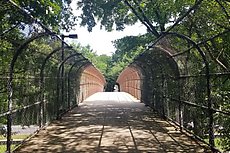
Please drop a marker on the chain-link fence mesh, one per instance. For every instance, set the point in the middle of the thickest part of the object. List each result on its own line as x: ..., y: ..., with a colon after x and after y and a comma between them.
x: 179, y: 92
x: 185, y: 78
x: 40, y: 77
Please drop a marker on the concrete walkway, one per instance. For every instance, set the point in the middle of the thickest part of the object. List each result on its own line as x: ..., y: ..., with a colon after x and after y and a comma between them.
x: 111, y: 122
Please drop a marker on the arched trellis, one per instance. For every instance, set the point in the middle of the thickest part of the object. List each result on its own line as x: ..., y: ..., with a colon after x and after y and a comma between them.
x: 58, y: 81
x: 30, y: 109
x: 134, y: 82
x: 41, y: 120
x: 149, y: 67
x: 207, y: 73
x: 141, y: 61
x: 85, y: 62
x: 143, y: 74
x: 178, y: 21
x: 79, y: 63
x: 92, y: 81
x: 10, y: 88
x: 162, y: 68
x: 42, y: 77
x: 79, y: 70
x: 149, y: 64
x: 17, y: 53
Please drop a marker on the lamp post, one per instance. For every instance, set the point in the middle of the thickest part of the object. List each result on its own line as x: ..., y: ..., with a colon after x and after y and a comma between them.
x: 73, y: 36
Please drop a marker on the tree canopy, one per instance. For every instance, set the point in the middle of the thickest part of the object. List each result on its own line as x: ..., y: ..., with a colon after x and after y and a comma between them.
x: 205, y: 22
x: 56, y: 14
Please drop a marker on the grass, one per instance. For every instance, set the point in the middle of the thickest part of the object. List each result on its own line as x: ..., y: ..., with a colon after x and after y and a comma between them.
x: 217, y: 143
x: 3, y: 147
x: 19, y: 136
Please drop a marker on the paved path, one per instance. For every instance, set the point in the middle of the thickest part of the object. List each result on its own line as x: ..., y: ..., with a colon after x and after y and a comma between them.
x: 110, y: 122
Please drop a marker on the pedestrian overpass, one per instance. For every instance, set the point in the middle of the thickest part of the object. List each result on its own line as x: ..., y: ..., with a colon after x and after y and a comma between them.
x: 112, y: 122
x: 52, y: 99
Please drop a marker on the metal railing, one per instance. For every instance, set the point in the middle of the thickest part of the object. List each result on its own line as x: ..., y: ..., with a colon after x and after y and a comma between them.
x: 185, y: 76
x: 180, y: 98
x: 33, y: 90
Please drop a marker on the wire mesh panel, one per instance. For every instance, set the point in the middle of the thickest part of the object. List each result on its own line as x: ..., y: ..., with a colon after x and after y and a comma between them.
x: 91, y: 81
x: 37, y: 83
x: 185, y: 73
x: 130, y: 81
x: 220, y: 96
x: 3, y: 93
x: 3, y: 133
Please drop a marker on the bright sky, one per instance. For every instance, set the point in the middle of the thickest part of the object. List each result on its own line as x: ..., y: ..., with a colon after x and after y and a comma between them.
x: 100, y: 40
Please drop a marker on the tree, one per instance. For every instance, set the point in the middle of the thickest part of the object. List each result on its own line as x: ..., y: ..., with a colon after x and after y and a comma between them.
x: 102, y: 62
x: 154, y: 15
x: 56, y: 14
x: 202, y: 21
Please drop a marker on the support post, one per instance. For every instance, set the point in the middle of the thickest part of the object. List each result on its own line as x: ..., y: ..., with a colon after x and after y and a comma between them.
x: 62, y: 70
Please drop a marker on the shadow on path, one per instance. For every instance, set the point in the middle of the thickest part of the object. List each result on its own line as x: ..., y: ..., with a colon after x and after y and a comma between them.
x: 111, y: 122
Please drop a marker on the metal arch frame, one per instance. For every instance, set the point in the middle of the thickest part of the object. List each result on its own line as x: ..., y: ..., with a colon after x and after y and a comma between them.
x: 92, y: 79
x: 175, y: 70
x: 177, y: 76
x: 11, y: 67
x: 101, y: 75
x: 142, y: 70
x: 41, y: 120
x: 208, y: 87
x: 173, y: 63
x: 41, y: 83
x: 11, y: 72
x: 143, y: 98
x: 211, y: 135
x: 159, y: 63
x: 68, y: 79
x: 149, y: 67
x: 10, y: 86
x: 178, y: 19
x: 60, y: 70
x: 44, y: 63
x: 58, y: 77
x: 150, y: 79
x: 207, y: 75
x: 48, y: 57
x: 134, y: 69
x: 85, y: 64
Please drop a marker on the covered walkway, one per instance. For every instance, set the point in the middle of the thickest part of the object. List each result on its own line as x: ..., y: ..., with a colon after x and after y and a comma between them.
x: 111, y: 122
x: 180, y: 68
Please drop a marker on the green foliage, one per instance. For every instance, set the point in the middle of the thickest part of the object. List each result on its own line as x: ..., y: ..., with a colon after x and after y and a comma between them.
x: 116, y: 13
x: 127, y: 49
x: 56, y: 14
x: 102, y: 62
x: 210, y: 18
x: 108, y: 12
